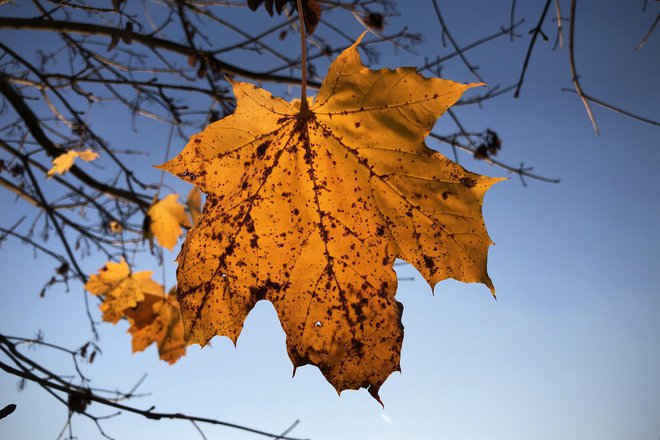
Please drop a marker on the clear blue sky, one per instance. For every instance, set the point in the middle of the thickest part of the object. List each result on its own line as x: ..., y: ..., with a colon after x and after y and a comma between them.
x: 571, y: 348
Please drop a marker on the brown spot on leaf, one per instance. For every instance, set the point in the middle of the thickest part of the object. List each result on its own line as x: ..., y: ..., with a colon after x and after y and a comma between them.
x: 468, y: 182
x: 261, y: 149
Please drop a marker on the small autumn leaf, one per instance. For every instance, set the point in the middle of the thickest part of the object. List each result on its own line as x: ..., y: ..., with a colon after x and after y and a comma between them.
x: 194, y: 203
x: 309, y: 208
x: 166, y: 218
x: 156, y: 320
x: 64, y: 162
x: 121, y: 289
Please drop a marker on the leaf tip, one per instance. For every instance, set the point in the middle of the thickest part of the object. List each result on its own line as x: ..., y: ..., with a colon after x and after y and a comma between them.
x: 490, y: 181
x: 353, y: 47
x: 373, y: 390
x: 166, y: 166
x: 359, y: 39
x: 490, y: 286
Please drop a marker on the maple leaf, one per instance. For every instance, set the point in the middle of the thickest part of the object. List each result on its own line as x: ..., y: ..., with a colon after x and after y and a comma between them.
x: 156, y: 319
x: 121, y: 289
x: 64, y: 162
x: 166, y: 218
x: 309, y: 209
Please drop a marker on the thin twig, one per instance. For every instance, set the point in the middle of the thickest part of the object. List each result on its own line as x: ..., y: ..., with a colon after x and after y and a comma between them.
x: 648, y: 34
x: 574, y: 75
x: 446, y: 32
x: 304, y: 108
x: 57, y: 384
x: 614, y: 108
x: 198, y: 429
x: 288, y: 430
x: 560, y: 27
x: 479, y: 42
x: 511, y: 18
x: 521, y: 170
x: 535, y: 33
x: 147, y: 40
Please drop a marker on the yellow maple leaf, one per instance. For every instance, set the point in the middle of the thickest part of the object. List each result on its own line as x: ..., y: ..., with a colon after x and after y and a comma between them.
x: 64, y: 162
x: 166, y: 218
x: 309, y: 209
x: 156, y: 320
x: 121, y: 289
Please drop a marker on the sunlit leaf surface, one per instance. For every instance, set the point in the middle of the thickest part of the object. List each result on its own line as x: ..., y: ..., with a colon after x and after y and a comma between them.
x: 120, y: 288
x: 156, y: 320
x: 309, y: 210
x: 167, y: 217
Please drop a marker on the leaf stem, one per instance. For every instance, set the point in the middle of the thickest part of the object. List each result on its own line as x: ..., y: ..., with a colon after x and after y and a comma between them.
x: 303, y: 44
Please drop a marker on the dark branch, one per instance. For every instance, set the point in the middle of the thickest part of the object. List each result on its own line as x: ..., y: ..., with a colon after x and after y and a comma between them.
x: 147, y: 40
x: 535, y: 33
x: 54, y: 383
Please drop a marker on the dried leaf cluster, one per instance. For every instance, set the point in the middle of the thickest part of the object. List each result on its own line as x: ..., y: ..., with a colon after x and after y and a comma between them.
x: 153, y: 315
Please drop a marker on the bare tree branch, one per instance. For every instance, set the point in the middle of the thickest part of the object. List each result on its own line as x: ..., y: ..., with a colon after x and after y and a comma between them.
x: 535, y: 33
x: 649, y: 33
x: 574, y: 76
x: 52, y: 382
x: 146, y: 40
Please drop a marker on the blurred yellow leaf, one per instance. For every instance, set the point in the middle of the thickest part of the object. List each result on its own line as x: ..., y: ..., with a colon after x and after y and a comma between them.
x: 156, y: 320
x: 120, y: 288
x: 64, y: 162
x: 309, y: 208
x: 167, y: 216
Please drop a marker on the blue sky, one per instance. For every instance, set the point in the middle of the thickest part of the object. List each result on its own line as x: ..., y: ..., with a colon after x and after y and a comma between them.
x: 571, y: 348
